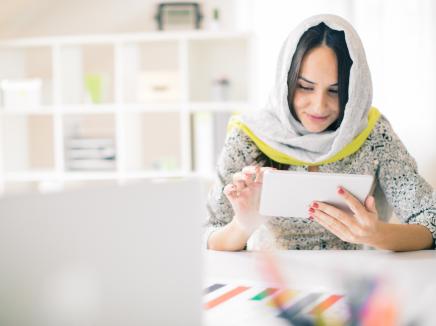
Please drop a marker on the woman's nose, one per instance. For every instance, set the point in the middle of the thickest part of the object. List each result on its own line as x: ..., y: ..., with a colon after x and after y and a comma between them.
x: 320, y: 102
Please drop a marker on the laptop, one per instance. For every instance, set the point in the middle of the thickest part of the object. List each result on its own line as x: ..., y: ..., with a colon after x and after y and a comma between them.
x: 118, y: 255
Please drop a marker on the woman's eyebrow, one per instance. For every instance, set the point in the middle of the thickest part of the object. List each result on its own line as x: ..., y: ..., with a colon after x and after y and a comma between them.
x: 311, y: 82
x: 307, y: 80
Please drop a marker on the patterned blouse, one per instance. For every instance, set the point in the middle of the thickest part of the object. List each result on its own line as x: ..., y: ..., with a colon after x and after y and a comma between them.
x: 383, y: 155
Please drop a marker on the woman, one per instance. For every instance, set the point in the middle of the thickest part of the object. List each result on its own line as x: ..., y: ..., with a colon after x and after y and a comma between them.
x: 319, y: 118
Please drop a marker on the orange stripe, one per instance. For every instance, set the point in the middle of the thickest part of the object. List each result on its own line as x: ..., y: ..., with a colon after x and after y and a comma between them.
x: 225, y: 297
x: 324, y: 305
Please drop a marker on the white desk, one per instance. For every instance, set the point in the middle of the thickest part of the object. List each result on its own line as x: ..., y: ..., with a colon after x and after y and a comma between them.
x: 410, y: 276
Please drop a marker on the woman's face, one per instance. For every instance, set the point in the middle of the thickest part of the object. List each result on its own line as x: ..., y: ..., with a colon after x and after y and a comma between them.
x: 316, y: 101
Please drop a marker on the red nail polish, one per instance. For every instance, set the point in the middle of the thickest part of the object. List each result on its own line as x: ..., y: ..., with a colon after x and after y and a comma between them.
x: 341, y: 191
x: 315, y: 205
x: 311, y: 210
x: 311, y: 218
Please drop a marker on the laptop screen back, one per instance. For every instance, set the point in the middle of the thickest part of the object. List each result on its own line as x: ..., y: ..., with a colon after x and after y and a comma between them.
x: 121, y: 255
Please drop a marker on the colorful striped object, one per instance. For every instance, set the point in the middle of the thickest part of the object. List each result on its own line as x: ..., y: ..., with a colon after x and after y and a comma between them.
x: 225, y: 297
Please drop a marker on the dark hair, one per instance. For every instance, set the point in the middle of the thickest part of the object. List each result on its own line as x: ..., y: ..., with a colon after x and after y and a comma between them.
x: 312, y: 38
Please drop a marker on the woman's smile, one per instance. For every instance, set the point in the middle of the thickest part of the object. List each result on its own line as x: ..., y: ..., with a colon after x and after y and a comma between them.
x: 317, y: 118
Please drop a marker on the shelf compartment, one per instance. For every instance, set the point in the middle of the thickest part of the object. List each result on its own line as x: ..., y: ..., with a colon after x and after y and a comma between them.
x: 211, y: 62
x: 28, y: 143
x: 90, y: 142
x: 147, y: 146
x: 29, y: 73
x: 151, y: 72
x: 87, y: 74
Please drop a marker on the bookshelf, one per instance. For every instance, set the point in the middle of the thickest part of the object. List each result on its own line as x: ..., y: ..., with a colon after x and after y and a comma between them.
x: 97, y: 88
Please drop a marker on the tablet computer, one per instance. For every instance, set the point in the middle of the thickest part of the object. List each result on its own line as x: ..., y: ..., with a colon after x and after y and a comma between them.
x: 290, y: 193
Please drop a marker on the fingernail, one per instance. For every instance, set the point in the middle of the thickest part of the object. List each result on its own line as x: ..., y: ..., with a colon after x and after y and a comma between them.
x: 311, y: 218
x: 311, y: 210
x: 341, y: 191
x: 315, y: 205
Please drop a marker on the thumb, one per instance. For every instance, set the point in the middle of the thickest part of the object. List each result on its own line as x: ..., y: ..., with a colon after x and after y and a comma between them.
x: 370, y: 204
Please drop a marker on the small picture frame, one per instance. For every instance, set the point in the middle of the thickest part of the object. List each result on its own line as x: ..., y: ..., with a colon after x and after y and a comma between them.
x: 178, y: 16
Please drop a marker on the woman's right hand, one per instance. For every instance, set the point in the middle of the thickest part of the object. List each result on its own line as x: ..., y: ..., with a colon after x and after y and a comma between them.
x: 244, y: 195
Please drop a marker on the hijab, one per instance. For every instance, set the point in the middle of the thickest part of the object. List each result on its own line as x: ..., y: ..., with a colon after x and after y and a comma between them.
x: 283, y: 138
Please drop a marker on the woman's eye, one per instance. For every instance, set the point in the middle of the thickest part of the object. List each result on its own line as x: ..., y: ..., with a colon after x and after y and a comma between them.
x: 305, y: 88
x: 334, y: 91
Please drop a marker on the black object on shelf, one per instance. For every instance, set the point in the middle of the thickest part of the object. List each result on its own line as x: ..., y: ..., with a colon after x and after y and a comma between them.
x: 178, y: 16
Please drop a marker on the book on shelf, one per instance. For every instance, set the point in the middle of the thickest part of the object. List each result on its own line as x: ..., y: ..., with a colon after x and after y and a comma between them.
x: 87, y: 165
x: 90, y: 154
x: 91, y: 143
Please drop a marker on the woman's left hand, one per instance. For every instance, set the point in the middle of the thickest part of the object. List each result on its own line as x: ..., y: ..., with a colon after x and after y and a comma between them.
x: 361, y: 227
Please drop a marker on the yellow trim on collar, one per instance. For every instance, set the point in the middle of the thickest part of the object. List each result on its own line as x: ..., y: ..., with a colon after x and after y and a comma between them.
x: 280, y: 157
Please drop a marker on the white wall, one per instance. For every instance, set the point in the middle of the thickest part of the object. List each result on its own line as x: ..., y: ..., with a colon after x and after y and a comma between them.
x: 400, y: 37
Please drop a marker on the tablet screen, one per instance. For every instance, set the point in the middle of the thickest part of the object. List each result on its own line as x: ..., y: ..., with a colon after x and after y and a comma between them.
x: 290, y: 193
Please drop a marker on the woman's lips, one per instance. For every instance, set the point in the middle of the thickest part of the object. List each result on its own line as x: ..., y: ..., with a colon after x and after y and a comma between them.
x: 316, y: 117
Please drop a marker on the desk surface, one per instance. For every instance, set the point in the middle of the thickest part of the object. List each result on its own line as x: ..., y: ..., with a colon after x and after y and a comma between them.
x: 411, y: 276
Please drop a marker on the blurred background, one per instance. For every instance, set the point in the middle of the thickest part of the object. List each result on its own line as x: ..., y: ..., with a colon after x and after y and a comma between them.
x: 101, y: 92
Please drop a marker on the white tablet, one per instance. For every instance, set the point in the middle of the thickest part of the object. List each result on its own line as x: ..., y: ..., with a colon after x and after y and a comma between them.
x: 290, y: 193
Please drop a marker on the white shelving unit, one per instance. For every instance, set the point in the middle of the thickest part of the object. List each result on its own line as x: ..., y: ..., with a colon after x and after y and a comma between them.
x: 152, y: 139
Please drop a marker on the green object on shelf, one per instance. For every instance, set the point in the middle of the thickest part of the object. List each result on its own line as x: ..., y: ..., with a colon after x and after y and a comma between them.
x: 94, y: 86
x: 216, y: 14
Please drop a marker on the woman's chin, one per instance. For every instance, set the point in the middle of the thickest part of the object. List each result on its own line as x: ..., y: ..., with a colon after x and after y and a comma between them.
x: 315, y: 127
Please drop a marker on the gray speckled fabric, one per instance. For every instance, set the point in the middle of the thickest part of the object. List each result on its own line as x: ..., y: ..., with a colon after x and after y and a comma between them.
x: 382, y: 155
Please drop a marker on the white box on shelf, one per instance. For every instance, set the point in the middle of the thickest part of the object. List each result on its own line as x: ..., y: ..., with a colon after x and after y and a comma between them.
x: 158, y: 86
x: 22, y: 93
